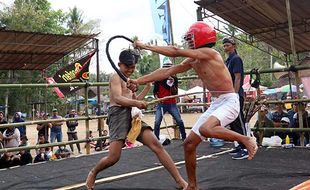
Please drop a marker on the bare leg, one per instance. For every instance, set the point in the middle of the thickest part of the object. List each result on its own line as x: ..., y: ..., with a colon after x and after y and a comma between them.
x: 151, y: 141
x: 112, y: 158
x: 190, y: 145
x: 213, y: 129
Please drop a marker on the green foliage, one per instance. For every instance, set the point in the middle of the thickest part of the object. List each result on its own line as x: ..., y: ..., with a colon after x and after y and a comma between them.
x: 33, y: 16
x: 38, y: 16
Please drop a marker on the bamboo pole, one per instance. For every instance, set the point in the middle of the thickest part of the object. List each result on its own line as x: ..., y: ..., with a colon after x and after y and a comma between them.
x: 274, y: 70
x: 170, y: 97
x: 87, y: 120
x: 50, y: 144
x: 45, y: 85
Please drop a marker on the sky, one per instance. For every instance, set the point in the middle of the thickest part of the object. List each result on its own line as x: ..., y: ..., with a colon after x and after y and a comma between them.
x: 129, y: 18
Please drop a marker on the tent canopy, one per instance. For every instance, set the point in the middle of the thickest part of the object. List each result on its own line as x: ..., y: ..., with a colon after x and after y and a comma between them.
x: 266, y: 20
x: 36, y: 51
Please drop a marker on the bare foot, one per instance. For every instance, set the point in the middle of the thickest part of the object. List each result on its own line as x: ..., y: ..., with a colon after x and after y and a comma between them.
x: 90, y: 181
x: 251, y: 146
x: 191, y: 188
x: 182, y: 184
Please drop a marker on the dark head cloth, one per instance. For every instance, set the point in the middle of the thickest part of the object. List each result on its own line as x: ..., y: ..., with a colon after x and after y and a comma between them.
x: 126, y: 57
x: 229, y: 40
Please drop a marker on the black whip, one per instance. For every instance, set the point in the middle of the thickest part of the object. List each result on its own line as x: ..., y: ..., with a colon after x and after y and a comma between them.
x: 109, y: 57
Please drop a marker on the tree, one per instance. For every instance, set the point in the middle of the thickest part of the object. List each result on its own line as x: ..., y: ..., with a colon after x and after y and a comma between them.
x: 76, y: 24
x: 35, y: 16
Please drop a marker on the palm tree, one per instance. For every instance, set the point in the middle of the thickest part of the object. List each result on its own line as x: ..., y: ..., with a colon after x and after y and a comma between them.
x: 75, y: 21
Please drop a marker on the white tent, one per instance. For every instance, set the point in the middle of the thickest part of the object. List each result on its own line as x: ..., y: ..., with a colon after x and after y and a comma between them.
x: 181, y: 91
x: 199, y: 91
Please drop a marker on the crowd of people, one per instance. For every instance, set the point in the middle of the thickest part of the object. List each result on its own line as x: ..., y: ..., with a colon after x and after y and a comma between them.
x: 285, y: 116
x: 47, y: 132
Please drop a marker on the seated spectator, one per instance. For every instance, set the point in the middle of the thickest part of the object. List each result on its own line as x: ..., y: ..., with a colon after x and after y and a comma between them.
x: 262, y: 122
x: 47, y: 149
x: 25, y: 157
x: 11, y: 137
x: 8, y: 159
x: 24, y: 142
x: 276, y: 118
x: 62, y: 152
x: 41, y: 157
x: 306, y: 122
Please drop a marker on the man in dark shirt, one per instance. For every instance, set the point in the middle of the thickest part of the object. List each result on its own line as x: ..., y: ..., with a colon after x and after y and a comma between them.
x: 43, y: 128
x: 235, y: 66
x: 72, y: 133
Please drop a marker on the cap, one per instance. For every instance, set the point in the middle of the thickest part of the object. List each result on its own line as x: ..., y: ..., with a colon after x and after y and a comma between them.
x: 54, y: 110
x: 167, y: 65
x: 126, y: 57
x: 285, y: 119
x: 229, y: 40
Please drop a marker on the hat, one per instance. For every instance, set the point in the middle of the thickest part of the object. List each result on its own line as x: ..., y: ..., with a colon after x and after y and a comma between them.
x: 126, y: 57
x: 54, y: 110
x: 229, y: 40
x: 166, y: 62
x: 285, y: 119
x: 167, y: 65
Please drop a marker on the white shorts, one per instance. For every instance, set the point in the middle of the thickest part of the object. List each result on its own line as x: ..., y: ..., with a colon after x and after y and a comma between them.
x: 225, y: 108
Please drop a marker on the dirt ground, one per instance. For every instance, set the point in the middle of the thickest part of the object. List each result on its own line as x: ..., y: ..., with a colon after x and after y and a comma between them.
x: 188, y: 118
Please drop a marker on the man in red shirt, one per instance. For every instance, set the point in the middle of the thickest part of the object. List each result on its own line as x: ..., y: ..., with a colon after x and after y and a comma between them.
x: 163, y: 88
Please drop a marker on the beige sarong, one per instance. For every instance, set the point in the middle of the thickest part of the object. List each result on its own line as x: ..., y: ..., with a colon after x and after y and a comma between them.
x: 135, y: 130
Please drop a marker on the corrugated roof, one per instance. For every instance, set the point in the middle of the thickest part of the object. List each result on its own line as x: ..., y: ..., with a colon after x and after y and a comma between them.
x: 266, y: 20
x: 36, y: 51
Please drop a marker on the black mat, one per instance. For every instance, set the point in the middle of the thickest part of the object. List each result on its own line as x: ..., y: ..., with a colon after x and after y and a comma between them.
x: 274, y: 168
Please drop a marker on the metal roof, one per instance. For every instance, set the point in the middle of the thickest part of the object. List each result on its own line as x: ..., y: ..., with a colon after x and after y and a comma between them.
x: 266, y: 20
x: 36, y: 51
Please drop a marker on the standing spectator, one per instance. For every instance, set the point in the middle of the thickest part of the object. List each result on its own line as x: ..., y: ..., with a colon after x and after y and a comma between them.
x: 11, y: 137
x: 163, y: 88
x: 235, y: 66
x: 72, y: 133
x: 17, y: 118
x: 2, y: 121
x: 43, y: 128
x: 56, y: 131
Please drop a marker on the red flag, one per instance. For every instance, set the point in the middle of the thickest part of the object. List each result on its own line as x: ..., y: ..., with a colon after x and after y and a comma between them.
x: 50, y: 80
